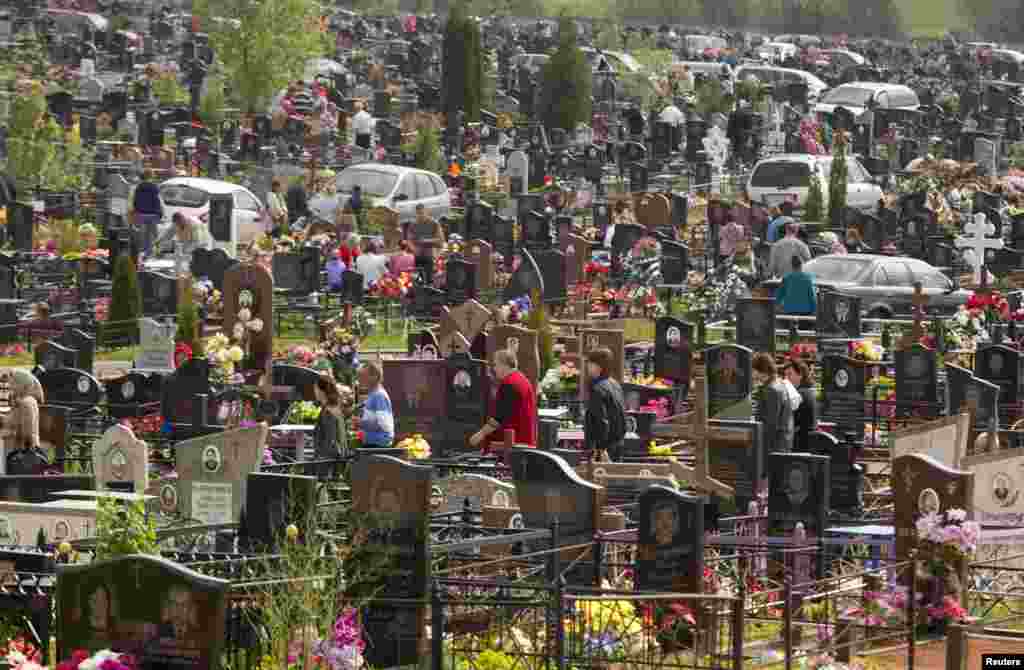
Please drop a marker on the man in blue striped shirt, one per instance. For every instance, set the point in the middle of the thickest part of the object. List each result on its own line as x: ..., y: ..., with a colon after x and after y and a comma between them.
x: 377, y: 421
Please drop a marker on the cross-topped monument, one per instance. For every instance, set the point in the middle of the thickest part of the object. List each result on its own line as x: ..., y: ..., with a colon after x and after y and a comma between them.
x: 698, y: 475
x: 919, y: 312
x: 978, y: 243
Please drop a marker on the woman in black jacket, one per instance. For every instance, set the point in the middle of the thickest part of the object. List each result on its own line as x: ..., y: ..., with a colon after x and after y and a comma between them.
x: 805, y: 418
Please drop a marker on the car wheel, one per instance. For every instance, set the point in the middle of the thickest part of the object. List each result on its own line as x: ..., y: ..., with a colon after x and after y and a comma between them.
x: 877, y: 313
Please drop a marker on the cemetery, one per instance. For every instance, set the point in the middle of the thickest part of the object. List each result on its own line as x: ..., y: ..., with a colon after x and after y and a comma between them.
x: 262, y: 274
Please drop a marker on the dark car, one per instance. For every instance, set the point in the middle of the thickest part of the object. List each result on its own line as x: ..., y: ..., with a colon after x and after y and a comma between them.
x: 885, y: 284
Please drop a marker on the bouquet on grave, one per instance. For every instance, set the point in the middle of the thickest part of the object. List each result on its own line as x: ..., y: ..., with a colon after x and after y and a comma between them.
x: 948, y: 535
x: 315, y: 358
x: 22, y: 654
x: 343, y: 649
x: 303, y: 413
x: 673, y: 623
x: 965, y: 330
x: 516, y: 310
x: 101, y: 660
x: 392, y: 286
x: 416, y: 447
x: 992, y: 306
x: 866, y: 350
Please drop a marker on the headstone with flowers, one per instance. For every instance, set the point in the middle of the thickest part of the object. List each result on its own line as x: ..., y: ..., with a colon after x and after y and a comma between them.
x: 249, y: 312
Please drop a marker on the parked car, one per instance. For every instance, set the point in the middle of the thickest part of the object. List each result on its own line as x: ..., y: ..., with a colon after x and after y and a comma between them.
x: 855, y: 96
x: 777, y: 52
x: 770, y: 75
x: 844, y: 58
x: 397, y: 187
x: 885, y: 284
x: 191, y: 196
x: 788, y: 177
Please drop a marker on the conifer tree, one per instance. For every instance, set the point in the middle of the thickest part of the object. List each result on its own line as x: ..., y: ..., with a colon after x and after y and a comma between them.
x: 462, y: 80
x: 125, y: 302
x: 538, y: 321
x: 568, y: 79
x: 837, y: 180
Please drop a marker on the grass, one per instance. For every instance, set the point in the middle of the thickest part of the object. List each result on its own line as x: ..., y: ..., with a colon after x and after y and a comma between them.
x: 931, y: 18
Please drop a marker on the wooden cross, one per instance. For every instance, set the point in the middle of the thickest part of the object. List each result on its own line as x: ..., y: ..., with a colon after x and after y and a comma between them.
x: 699, y: 434
x: 919, y: 312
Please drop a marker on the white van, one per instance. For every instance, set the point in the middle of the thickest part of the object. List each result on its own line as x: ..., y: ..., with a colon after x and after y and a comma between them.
x: 191, y: 196
x: 787, y: 177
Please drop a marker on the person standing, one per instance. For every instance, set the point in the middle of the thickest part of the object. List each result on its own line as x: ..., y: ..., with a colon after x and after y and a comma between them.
x: 378, y: 420
x: 428, y: 237
x: 805, y: 418
x: 362, y: 127
x: 373, y: 264
x: 515, y: 406
x: 190, y: 232
x: 729, y: 237
x: 781, y: 217
x: 797, y: 294
x: 775, y: 411
x: 148, y: 208
x: 403, y: 261
x: 604, y: 426
x: 780, y: 260
x: 278, y: 208
x: 330, y: 435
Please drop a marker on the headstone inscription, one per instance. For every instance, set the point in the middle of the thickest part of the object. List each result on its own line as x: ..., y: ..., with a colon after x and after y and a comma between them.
x: 467, y: 391
x: 160, y: 612
x: 249, y: 291
x: 672, y: 351
x: 798, y: 492
x: 838, y: 321
x: 843, y: 390
x: 671, y: 551
x: 523, y: 343
x: 156, y: 349
x: 755, y: 324
x: 922, y: 485
x: 730, y: 377
x: 979, y: 396
x: 395, y: 497
x: 916, y: 382
x: 415, y: 387
x: 212, y: 472
x: 120, y: 461
x: 998, y: 479
x: 1004, y: 367
x: 846, y: 478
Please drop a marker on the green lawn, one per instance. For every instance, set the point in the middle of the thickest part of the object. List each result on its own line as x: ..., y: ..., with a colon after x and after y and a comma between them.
x: 927, y: 18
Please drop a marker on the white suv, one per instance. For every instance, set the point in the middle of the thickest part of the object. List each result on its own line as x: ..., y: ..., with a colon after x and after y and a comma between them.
x: 788, y: 177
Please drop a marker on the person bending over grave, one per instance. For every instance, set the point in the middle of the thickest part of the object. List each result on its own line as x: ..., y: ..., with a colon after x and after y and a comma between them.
x: 278, y: 209
x: 378, y: 420
x: 604, y: 426
x: 780, y: 261
x: 189, y: 231
x: 805, y: 416
x: 403, y: 261
x: 24, y: 447
x: 797, y: 294
x: 330, y: 435
x: 514, y: 406
x: 775, y: 411
x: 428, y: 236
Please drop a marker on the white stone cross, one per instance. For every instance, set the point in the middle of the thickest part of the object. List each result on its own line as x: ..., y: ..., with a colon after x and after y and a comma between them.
x: 717, y: 146
x: 978, y: 243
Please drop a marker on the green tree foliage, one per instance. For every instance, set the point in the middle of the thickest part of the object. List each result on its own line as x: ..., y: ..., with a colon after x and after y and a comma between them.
x: 123, y: 528
x: 814, y: 205
x: 268, y: 47
x: 565, y: 91
x: 188, y: 322
x: 427, y: 149
x: 34, y: 137
x: 125, y: 302
x: 837, y: 180
x: 211, y: 106
x: 538, y: 321
x: 462, y: 57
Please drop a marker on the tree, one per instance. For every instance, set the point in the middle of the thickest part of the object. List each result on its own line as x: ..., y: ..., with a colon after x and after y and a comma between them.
x: 837, y: 180
x: 565, y: 92
x: 462, y: 81
x: 537, y: 320
x: 188, y: 322
x: 268, y: 46
x: 813, y: 206
x: 125, y: 302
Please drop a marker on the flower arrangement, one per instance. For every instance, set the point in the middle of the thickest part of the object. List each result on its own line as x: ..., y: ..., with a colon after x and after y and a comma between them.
x: 209, y: 297
x: 343, y: 650
x: 652, y: 382
x: 965, y: 330
x: 307, y: 357
x: 101, y: 310
x: 416, y: 447
x: 803, y: 350
x: 866, y: 350
x: 881, y: 608
x: 659, y: 407
x: 223, y: 357
x: 809, y: 136
x: 886, y: 405
x: 20, y: 651
x: 654, y: 449
x: 303, y: 413
x: 247, y: 324
x: 182, y: 353
x: 594, y: 269
x: 674, y: 623
x: 101, y: 660
x: 948, y: 534
x: 992, y: 306
x: 564, y: 378
x: 392, y: 286
x: 515, y: 311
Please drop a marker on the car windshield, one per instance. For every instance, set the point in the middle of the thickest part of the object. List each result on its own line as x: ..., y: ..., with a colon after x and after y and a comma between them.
x: 180, y: 195
x: 782, y: 174
x: 831, y: 269
x: 848, y: 95
x: 372, y: 182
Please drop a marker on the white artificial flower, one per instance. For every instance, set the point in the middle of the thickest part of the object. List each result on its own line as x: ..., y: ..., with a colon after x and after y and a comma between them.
x: 956, y: 514
x: 256, y: 325
x: 239, y: 331
x: 244, y: 314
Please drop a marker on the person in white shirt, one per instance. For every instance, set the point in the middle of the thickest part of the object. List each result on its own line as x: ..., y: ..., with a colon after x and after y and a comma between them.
x: 372, y: 265
x: 362, y: 127
x: 671, y: 115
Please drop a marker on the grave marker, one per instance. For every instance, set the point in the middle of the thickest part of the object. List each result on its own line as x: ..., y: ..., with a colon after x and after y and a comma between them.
x: 922, y: 485
x: 671, y: 542
x: 843, y: 390
x: 156, y: 348
x: 730, y: 378
x: 250, y: 287
x: 419, y: 405
x: 755, y: 324
x: 119, y: 459
x: 523, y: 342
x: 672, y: 338
x: 916, y: 382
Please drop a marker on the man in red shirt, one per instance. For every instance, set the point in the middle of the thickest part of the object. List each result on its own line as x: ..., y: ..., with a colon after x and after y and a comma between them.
x: 515, y: 406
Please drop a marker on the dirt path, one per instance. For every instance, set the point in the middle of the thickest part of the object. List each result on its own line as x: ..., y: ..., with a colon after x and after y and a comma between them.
x: 932, y: 655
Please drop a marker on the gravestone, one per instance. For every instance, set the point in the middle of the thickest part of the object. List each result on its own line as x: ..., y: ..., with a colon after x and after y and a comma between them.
x: 755, y: 324
x: 523, y: 342
x: 846, y: 478
x: 158, y: 611
x: 353, y: 288
x: 427, y: 301
x: 548, y: 490
x: 798, y: 492
x: 298, y: 272
x: 843, y: 392
x: 52, y: 356
x: 735, y: 456
x: 675, y: 263
x: 536, y: 228
x: 212, y: 473
x: 395, y: 497
x: 551, y: 264
x: 1004, y: 367
x: 83, y: 343
x: 998, y: 480
x: 192, y: 378
x: 127, y: 396
x: 944, y: 439
x: 119, y: 459
x: 480, y: 221
x: 670, y: 555
x: 920, y: 486
x: 526, y: 280
x: 519, y: 173
x: 467, y: 391
x: 156, y: 348
x: 838, y: 315
x: 479, y: 253
x: 614, y: 341
x: 423, y: 345
x: 272, y: 502
x: 672, y: 353
x: 461, y: 326
x: 577, y: 255
x: 980, y: 396
x: 653, y: 211
x: 159, y: 294
x: 478, y: 491
x: 251, y: 287
x: 460, y: 280
x: 418, y: 403
x: 730, y: 377
x: 917, y: 384
x: 70, y: 387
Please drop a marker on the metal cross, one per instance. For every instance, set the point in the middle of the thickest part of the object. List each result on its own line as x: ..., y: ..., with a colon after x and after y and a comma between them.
x: 978, y: 243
